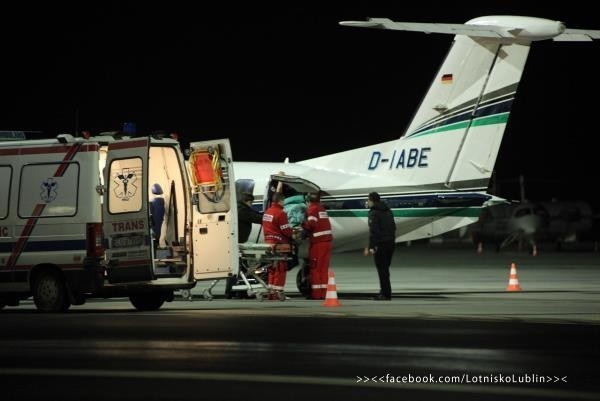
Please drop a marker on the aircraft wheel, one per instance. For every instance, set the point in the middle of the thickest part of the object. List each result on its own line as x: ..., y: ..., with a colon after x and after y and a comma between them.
x: 303, y: 281
x: 49, y: 292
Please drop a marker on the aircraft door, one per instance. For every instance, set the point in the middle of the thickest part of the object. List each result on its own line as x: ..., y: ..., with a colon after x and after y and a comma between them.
x: 214, y: 215
x: 125, y: 212
x: 295, y: 190
x: 290, y: 186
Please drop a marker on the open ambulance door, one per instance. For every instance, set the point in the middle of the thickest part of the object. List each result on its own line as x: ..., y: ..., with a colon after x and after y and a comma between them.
x: 214, y: 210
x: 125, y: 212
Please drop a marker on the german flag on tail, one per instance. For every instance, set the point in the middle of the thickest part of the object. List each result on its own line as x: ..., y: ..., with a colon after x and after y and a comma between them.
x: 447, y: 78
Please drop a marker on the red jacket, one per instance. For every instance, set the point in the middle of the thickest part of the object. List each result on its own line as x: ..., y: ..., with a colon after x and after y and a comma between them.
x: 317, y: 223
x: 275, y: 225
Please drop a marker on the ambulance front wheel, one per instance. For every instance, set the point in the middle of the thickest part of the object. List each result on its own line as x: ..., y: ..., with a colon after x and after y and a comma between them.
x: 148, y: 301
x: 49, y: 292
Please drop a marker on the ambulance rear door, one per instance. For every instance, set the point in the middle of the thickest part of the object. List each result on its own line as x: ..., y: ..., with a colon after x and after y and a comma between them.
x: 214, y: 211
x: 125, y: 212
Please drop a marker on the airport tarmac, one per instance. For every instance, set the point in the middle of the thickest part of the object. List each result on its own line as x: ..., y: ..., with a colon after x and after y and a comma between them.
x: 432, y: 282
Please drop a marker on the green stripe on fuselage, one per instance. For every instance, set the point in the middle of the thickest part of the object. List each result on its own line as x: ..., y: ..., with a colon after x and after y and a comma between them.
x: 414, y: 212
x: 489, y: 120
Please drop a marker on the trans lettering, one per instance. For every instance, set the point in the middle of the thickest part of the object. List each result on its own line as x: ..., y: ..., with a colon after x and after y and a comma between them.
x: 131, y: 225
x: 405, y: 158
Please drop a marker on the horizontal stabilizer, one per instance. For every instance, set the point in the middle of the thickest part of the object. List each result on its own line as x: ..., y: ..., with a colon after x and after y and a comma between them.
x: 454, y: 29
x: 505, y: 28
x: 578, y: 35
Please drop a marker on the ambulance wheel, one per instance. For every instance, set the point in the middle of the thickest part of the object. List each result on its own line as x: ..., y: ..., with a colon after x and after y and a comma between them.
x: 50, y: 293
x: 147, y: 301
x: 303, y: 282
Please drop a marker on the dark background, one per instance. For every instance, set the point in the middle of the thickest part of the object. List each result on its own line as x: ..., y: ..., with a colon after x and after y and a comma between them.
x: 289, y: 80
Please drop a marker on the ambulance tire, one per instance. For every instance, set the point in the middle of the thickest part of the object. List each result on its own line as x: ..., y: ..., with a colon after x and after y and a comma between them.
x: 50, y: 292
x: 148, y: 301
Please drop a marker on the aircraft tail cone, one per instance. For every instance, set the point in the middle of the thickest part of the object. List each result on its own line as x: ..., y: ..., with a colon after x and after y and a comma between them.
x: 513, y: 280
x: 331, y: 299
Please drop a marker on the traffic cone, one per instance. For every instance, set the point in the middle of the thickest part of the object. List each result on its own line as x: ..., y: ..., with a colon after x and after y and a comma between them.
x: 331, y: 299
x: 513, y: 280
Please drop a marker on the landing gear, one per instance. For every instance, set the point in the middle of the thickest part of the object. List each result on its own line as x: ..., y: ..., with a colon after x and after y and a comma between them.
x: 303, y: 278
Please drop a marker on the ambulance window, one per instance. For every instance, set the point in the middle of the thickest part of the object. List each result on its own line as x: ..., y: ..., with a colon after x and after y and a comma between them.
x: 5, y: 179
x: 125, y: 186
x: 48, y: 190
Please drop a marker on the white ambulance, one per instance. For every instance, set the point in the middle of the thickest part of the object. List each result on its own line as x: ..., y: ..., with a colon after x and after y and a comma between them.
x: 76, y: 223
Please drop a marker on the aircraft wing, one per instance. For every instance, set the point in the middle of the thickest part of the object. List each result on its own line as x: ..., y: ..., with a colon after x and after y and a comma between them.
x: 455, y: 29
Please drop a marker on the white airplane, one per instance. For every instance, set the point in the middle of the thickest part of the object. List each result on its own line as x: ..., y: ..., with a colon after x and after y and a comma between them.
x: 530, y: 223
x: 435, y: 176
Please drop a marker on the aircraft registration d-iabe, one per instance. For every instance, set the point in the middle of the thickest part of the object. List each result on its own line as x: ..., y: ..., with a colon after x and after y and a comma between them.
x: 435, y: 176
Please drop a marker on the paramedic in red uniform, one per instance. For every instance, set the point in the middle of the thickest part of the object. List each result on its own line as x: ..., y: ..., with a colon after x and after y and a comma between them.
x: 318, y: 228
x: 277, y: 231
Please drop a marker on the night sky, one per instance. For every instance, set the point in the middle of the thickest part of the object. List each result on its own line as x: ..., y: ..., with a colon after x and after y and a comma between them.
x: 290, y: 74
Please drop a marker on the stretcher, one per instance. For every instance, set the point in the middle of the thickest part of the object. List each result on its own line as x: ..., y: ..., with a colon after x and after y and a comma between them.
x: 255, y: 261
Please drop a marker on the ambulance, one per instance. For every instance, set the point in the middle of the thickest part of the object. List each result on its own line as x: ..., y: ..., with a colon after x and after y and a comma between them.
x: 76, y: 219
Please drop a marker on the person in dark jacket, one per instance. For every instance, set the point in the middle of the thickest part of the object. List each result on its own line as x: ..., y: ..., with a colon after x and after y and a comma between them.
x: 382, y: 236
x: 246, y: 216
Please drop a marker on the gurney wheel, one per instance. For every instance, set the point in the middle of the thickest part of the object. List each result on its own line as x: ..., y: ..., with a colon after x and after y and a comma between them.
x: 186, y: 294
x: 207, y: 295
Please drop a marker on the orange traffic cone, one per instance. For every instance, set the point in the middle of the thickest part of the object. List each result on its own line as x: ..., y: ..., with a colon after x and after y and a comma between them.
x: 331, y: 298
x: 513, y: 280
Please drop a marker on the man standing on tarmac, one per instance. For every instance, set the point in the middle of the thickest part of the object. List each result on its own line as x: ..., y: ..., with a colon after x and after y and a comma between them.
x: 382, y: 237
x: 318, y: 228
x: 277, y: 231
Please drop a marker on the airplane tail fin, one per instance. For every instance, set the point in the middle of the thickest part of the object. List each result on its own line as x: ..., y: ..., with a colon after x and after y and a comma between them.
x: 455, y: 135
x: 461, y: 120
